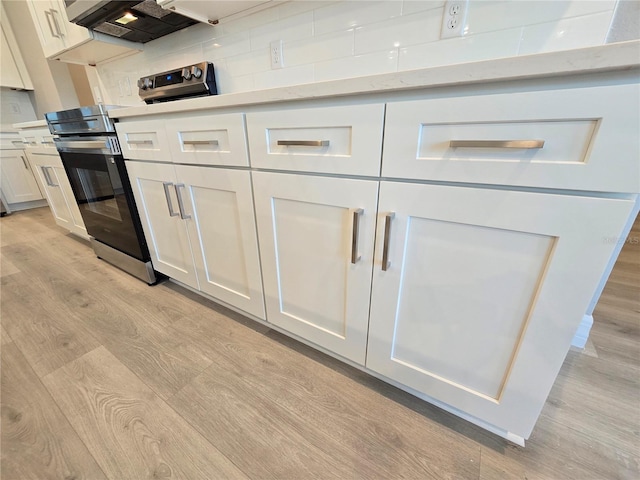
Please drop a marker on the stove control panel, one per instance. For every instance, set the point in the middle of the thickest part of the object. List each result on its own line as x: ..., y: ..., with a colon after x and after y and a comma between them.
x: 191, y: 81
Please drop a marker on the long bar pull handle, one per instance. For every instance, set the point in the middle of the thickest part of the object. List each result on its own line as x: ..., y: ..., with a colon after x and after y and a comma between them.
x: 385, y: 246
x: 522, y: 144
x: 355, y: 234
x: 55, y: 22
x: 140, y: 142
x: 183, y: 216
x: 49, y: 15
x: 47, y: 178
x: 303, y: 143
x: 200, y: 142
x: 51, y: 184
x: 166, y: 186
x: 24, y: 162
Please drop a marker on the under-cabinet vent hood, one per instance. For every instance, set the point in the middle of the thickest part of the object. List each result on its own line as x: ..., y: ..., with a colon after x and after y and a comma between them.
x: 136, y: 21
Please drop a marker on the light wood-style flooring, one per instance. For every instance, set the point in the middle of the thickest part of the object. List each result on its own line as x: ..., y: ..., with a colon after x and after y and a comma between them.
x: 105, y: 377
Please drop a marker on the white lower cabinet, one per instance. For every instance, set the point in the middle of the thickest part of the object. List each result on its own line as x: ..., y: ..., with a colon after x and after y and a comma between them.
x: 18, y: 183
x: 316, y: 244
x: 482, y: 292
x: 199, y: 226
x: 55, y: 183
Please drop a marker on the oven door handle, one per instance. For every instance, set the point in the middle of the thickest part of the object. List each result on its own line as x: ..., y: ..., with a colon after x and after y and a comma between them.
x: 83, y: 144
x: 166, y: 186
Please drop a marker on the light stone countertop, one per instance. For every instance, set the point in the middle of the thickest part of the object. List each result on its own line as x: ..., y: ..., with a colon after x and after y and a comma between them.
x: 31, y: 124
x: 605, y: 58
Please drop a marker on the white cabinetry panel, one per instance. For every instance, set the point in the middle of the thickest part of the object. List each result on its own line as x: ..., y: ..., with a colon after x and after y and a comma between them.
x: 18, y: 183
x: 144, y: 140
x: 484, y: 291
x: 306, y: 227
x: 583, y: 129
x: 345, y: 139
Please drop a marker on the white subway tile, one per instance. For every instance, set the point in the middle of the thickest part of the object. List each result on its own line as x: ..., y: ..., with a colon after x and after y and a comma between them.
x: 244, y: 24
x: 226, y: 46
x: 247, y: 63
x: 400, y: 32
x: 228, y: 83
x: 460, y: 50
x: 415, y: 6
x: 360, y: 65
x: 349, y: 14
x: 284, y: 77
x: 486, y: 16
x: 318, y: 49
x: 577, y: 32
x: 296, y: 7
x: 296, y: 27
x: 177, y: 58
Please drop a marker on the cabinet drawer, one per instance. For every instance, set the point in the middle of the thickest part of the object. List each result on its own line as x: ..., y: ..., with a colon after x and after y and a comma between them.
x: 144, y: 140
x: 551, y: 139
x: 208, y: 139
x: 343, y: 139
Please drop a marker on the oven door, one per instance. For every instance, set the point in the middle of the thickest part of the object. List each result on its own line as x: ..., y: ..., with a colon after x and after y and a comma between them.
x: 101, y: 187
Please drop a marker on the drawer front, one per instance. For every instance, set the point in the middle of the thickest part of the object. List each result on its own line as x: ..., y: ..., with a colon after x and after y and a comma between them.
x: 208, y: 139
x: 144, y: 140
x: 342, y: 139
x: 571, y: 139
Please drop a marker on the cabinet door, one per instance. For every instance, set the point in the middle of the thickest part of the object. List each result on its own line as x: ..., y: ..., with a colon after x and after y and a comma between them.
x: 154, y: 188
x: 18, y: 182
x: 49, y: 32
x: 49, y: 179
x: 316, y: 245
x: 223, y: 234
x: 483, y: 292
x: 59, y: 176
x: 73, y: 34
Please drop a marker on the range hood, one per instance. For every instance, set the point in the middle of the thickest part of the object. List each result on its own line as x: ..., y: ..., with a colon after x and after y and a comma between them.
x: 137, y: 21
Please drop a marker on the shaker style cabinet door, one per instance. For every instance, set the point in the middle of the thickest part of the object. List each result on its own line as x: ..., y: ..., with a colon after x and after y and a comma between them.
x: 43, y: 168
x: 18, y: 183
x: 316, y: 245
x: 222, y: 232
x: 154, y: 188
x: 477, y: 293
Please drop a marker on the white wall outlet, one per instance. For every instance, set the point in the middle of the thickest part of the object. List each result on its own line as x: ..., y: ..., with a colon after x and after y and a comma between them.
x: 454, y: 18
x: 275, y: 54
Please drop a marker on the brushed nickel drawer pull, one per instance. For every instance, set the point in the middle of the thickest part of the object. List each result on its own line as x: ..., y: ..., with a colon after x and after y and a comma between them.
x: 385, y: 246
x: 200, y: 142
x: 140, y: 142
x: 49, y: 16
x: 47, y: 178
x: 355, y: 234
x: 52, y: 184
x: 303, y: 143
x: 24, y: 162
x: 183, y: 216
x: 166, y: 186
x: 523, y: 144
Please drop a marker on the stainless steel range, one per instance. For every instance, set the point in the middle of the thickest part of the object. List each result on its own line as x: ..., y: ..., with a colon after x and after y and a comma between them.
x: 91, y: 156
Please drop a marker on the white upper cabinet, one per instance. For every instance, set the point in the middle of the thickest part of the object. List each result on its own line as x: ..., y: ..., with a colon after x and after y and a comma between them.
x: 575, y: 138
x: 68, y: 42
x: 13, y: 71
x: 212, y: 11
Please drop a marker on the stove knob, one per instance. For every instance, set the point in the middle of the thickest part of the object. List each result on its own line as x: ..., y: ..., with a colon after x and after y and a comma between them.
x: 196, y: 71
x: 186, y: 74
x: 148, y: 83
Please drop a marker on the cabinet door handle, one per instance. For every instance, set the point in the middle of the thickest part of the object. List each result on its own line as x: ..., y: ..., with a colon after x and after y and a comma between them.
x: 55, y: 22
x: 356, y: 212
x: 166, y: 186
x: 24, y: 162
x: 522, y: 144
x: 200, y: 142
x: 49, y: 15
x: 52, y: 184
x: 303, y: 143
x: 385, y: 246
x: 140, y: 142
x: 180, y: 203
x: 45, y: 174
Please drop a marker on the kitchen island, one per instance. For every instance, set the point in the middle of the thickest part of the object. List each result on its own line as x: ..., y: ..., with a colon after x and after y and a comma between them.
x: 445, y: 229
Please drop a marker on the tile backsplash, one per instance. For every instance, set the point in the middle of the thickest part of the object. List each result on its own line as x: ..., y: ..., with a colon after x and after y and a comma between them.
x: 328, y: 40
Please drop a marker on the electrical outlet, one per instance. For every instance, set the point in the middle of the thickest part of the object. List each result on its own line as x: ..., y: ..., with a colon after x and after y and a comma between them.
x: 275, y: 54
x: 454, y: 18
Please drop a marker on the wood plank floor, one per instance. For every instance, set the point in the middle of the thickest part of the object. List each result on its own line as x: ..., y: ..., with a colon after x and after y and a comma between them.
x: 105, y: 377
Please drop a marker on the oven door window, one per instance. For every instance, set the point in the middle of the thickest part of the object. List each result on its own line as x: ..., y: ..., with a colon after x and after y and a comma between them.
x: 97, y: 193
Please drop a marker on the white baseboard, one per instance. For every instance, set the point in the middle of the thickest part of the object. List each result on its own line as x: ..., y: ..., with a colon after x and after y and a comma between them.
x: 582, y: 334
